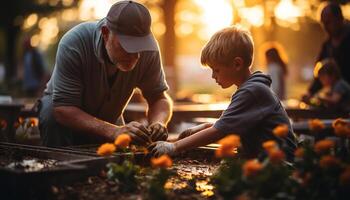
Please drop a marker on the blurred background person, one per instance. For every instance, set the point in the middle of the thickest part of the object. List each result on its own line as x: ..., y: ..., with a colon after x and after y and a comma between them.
x: 335, y: 90
x: 277, y: 69
x: 33, y: 69
x: 337, y: 46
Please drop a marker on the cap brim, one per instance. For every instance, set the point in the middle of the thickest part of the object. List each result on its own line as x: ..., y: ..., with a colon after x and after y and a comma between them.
x: 133, y: 44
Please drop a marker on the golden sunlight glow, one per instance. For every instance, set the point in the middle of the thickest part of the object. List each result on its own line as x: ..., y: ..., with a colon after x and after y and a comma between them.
x: 49, y: 31
x: 69, y: 15
x: 35, y: 40
x: 67, y: 2
x: 317, y: 68
x: 158, y: 28
x: 254, y: 15
x: 287, y: 11
x: 92, y: 9
x: 30, y: 21
x: 215, y: 15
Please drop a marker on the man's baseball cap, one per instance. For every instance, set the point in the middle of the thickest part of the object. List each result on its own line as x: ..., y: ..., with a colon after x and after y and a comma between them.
x: 131, y: 21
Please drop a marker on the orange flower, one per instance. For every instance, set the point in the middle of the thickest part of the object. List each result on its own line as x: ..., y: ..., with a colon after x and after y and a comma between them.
x: 3, y: 124
x: 33, y: 121
x: 299, y: 152
x: 323, y: 145
x: 162, y: 162
x: 20, y: 120
x: 281, y: 130
x: 221, y: 152
x: 276, y: 156
x: 329, y: 161
x: 106, y: 149
x: 251, y: 167
x: 270, y: 145
x: 228, y: 146
x: 316, y: 125
x: 123, y: 140
x: 341, y: 127
x: 344, y: 177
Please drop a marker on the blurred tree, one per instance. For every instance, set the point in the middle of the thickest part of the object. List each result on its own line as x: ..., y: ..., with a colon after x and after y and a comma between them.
x: 12, y: 15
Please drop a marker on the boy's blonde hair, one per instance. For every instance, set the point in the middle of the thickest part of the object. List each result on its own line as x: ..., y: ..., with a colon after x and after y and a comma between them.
x: 227, y: 44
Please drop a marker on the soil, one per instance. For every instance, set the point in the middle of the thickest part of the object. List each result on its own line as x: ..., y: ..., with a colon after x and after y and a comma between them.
x: 25, y: 163
x: 190, y: 182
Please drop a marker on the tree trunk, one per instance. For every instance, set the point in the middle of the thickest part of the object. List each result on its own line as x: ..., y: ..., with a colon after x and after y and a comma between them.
x: 169, y: 45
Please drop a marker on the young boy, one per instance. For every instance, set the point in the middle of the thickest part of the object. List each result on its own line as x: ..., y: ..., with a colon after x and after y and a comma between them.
x: 338, y: 95
x: 254, y: 110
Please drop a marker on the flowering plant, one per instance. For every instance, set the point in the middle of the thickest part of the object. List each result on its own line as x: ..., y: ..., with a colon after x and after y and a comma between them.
x: 159, y: 177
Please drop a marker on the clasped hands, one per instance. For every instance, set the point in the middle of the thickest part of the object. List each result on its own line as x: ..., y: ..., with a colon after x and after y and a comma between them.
x: 143, y: 135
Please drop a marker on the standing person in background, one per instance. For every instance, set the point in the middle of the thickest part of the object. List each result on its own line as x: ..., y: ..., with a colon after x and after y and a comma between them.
x: 277, y: 69
x: 337, y: 46
x: 33, y: 69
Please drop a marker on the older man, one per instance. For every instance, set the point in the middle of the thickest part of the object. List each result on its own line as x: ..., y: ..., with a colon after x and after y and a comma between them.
x: 98, y: 66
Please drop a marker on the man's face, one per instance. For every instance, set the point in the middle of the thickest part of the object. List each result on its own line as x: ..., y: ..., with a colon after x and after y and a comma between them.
x: 225, y: 76
x: 117, y: 55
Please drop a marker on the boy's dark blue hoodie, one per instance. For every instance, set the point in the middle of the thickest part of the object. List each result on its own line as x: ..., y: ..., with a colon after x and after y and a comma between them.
x: 253, y: 113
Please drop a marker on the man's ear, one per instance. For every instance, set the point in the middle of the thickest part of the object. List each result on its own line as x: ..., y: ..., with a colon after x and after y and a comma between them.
x: 105, y: 33
x: 238, y: 63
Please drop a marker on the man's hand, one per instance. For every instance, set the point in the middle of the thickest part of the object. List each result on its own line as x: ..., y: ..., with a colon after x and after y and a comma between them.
x: 161, y: 147
x: 158, y: 131
x: 138, y: 133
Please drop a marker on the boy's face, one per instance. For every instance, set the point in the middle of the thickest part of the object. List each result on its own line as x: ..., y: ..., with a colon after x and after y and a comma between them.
x: 225, y: 76
x: 325, y: 79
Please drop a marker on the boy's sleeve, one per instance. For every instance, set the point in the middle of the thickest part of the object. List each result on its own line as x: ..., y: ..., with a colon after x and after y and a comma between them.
x: 67, y: 84
x: 241, y: 115
x: 153, y: 80
x: 340, y: 88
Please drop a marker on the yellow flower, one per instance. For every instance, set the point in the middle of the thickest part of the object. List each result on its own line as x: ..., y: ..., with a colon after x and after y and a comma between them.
x: 3, y: 124
x: 323, y: 145
x: 163, y: 161
x: 329, y: 161
x: 281, y: 130
x: 316, y: 125
x: 251, y: 167
x: 344, y: 177
x: 123, y: 140
x: 270, y: 145
x: 106, y: 149
x: 276, y: 156
x: 341, y: 127
x: 299, y: 152
x: 228, y: 146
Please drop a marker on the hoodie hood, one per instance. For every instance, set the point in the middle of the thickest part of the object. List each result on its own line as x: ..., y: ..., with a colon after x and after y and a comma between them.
x: 258, y: 77
x: 98, y: 41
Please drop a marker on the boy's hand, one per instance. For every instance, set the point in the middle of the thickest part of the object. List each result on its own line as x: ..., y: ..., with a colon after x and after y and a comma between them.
x: 161, y: 147
x: 158, y: 131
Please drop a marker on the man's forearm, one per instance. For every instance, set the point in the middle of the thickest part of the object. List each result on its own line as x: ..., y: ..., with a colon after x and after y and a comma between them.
x: 81, y: 121
x: 160, y: 111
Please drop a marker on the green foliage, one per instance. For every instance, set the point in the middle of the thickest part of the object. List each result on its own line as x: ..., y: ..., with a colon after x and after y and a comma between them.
x: 156, y: 187
x: 227, y: 181
x: 314, y: 175
x: 124, y: 175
